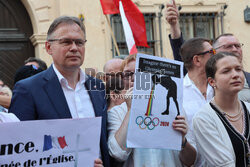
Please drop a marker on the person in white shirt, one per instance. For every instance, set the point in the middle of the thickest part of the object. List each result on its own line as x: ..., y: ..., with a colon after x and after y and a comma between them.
x: 194, y: 53
x: 197, y: 92
x: 118, y: 118
x: 8, y: 117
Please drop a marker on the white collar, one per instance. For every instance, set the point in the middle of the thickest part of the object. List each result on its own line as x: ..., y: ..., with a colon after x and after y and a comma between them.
x: 187, y: 81
x: 62, y: 79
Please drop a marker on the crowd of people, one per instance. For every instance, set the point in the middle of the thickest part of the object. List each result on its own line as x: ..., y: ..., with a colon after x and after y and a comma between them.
x: 216, y: 94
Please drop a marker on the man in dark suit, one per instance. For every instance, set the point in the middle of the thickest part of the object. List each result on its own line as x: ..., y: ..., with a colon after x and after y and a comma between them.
x: 63, y: 90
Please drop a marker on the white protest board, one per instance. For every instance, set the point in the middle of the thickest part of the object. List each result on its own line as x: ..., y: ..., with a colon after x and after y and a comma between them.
x: 52, y: 143
x: 157, y: 100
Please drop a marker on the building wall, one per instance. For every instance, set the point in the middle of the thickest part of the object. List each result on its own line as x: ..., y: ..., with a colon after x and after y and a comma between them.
x: 234, y: 23
x: 98, y: 46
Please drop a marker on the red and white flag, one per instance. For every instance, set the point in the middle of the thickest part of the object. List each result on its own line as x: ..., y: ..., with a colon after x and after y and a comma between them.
x: 127, y: 31
x: 132, y: 21
x: 110, y: 6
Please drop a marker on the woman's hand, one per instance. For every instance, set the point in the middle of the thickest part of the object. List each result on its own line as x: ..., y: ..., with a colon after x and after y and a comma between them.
x: 128, y: 97
x: 180, y: 125
x: 98, y: 163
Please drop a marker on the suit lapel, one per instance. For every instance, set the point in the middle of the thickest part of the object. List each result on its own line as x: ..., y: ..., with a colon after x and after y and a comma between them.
x: 97, y: 100
x: 56, y: 95
x: 94, y: 95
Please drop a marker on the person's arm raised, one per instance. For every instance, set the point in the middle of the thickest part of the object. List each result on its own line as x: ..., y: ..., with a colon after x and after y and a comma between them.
x: 172, y: 17
x: 121, y: 134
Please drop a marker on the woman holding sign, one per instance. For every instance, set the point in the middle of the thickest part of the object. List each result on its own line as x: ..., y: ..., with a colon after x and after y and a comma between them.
x: 118, y: 119
x: 222, y: 126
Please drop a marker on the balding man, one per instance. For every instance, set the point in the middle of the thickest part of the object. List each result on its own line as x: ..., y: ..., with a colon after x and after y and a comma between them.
x: 229, y: 43
x: 112, y: 67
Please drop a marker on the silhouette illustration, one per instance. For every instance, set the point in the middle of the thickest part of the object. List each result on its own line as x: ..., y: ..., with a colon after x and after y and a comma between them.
x: 170, y: 85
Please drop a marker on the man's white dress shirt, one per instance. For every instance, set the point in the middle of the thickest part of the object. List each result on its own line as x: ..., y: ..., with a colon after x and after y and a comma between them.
x: 193, y: 101
x: 78, y: 99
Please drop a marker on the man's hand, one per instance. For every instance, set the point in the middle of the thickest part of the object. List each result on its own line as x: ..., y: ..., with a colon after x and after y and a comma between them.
x: 172, y: 13
x: 172, y: 17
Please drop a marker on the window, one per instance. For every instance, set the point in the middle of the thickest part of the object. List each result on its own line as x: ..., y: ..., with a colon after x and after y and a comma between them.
x: 116, y: 24
x: 198, y: 25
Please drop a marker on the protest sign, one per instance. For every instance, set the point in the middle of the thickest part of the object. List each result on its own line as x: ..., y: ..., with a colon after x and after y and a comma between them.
x: 52, y: 143
x: 157, y: 100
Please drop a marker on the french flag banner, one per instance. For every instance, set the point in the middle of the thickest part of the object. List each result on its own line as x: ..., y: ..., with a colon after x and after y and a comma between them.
x: 54, y: 142
x: 26, y: 144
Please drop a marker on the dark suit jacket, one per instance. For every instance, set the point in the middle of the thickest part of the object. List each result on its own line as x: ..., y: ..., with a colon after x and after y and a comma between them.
x: 247, y: 76
x: 176, y: 47
x: 41, y: 97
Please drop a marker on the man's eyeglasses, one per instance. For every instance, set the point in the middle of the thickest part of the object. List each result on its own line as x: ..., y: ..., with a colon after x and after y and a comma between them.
x: 212, y: 51
x: 230, y: 46
x: 114, y: 74
x: 124, y: 75
x: 68, y: 41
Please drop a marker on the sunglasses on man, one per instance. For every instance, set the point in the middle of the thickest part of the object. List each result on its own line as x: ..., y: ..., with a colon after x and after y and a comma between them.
x: 211, y: 51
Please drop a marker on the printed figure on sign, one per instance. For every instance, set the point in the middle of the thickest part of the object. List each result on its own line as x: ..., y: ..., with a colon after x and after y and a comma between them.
x: 157, y: 116
x: 167, y: 82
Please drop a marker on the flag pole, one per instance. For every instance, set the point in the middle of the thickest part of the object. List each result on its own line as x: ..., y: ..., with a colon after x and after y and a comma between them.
x: 113, y: 36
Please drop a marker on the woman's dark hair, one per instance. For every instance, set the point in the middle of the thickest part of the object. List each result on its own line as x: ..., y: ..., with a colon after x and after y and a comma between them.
x: 211, y: 63
x: 114, y: 84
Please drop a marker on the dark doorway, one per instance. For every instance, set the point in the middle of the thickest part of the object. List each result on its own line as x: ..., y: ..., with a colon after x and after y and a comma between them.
x: 15, y: 45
